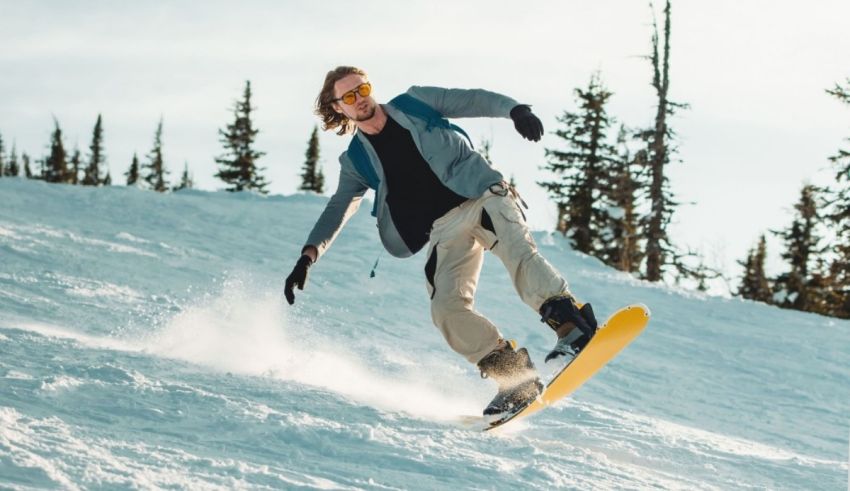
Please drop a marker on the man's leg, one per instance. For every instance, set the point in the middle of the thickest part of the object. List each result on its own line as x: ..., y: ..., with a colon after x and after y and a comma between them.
x: 452, y: 271
x: 501, y: 228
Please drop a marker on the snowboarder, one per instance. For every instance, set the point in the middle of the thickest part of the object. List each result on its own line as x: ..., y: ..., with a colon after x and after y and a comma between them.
x: 432, y: 187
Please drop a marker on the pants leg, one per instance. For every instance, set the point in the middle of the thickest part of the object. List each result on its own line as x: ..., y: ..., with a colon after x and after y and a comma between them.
x: 452, y: 270
x: 502, y: 229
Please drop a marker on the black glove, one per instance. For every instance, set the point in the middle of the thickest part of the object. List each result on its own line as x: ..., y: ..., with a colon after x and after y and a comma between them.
x: 298, y: 277
x: 526, y: 123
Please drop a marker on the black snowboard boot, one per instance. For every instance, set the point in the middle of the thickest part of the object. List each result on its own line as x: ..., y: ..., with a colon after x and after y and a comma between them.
x: 573, y: 325
x: 516, y: 376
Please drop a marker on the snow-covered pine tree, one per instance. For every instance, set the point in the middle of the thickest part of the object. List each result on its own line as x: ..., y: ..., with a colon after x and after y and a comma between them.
x: 238, y: 165
x: 55, y: 166
x: 132, y: 173
x: 794, y: 288
x: 659, y: 250
x: 754, y: 283
x: 186, y: 181
x: 75, y: 167
x: 838, y: 214
x: 620, y: 239
x: 96, y: 157
x: 312, y: 178
x: 581, y: 169
x: 155, y: 166
x: 12, y: 167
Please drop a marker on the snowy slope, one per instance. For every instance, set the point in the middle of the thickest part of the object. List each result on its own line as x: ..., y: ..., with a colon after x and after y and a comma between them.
x: 143, y: 342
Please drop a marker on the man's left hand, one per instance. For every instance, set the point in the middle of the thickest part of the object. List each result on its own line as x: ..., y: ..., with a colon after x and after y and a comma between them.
x: 526, y: 123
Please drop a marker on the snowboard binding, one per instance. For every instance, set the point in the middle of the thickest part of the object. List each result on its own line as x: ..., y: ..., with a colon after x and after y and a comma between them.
x: 574, y: 325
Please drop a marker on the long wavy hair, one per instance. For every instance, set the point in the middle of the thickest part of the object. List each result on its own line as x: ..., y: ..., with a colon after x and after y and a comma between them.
x: 324, y: 103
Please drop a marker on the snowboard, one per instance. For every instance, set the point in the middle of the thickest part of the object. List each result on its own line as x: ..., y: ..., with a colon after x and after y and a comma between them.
x: 615, y: 334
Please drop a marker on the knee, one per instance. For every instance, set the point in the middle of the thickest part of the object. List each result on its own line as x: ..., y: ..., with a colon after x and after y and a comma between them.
x: 445, y: 306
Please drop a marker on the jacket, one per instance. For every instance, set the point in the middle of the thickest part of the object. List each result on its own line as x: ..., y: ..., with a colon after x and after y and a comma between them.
x: 454, y: 162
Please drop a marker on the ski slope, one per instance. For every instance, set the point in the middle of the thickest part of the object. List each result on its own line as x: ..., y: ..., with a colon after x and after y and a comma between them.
x: 144, y: 343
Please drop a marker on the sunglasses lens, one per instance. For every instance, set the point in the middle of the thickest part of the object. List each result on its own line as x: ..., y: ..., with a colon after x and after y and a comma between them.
x: 364, y: 90
x: 349, y: 98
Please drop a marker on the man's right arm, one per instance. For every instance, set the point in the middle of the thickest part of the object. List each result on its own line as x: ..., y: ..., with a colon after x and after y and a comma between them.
x: 342, y: 205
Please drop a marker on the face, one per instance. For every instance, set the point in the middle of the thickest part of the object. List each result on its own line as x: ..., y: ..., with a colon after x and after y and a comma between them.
x: 363, y: 107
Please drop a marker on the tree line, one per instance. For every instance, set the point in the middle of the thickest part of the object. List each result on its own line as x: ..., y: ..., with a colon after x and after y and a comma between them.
x: 237, y: 165
x: 816, y: 246
x: 613, y: 201
x: 608, y: 180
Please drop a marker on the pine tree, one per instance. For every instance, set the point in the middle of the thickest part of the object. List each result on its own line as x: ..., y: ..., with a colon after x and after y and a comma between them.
x: 155, y: 166
x: 107, y: 181
x: 27, y: 169
x: 659, y: 251
x: 55, y: 166
x: 186, y: 181
x: 96, y: 157
x: 838, y: 215
x: 620, y: 244
x: 132, y: 173
x: 484, y: 149
x: 13, y: 169
x: 581, y: 170
x: 74, y: 172
x: 754, y: 283
x: 237, y: 166
x: 2, y: 158
x: 796, y: 289
x: 312, y: 178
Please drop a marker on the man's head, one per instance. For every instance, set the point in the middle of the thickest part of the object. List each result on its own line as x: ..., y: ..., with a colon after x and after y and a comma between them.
x: 341, y: 101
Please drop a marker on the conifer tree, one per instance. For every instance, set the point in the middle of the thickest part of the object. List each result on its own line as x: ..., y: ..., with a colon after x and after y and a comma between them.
x: 838, y: 215
x: 107, y: 181
x: 754, y: 283
x: 581, y: 169
x: 74, y: 171
x: 484, y: 149
x: 795, y: 288
x: 155, y: 166
x: 620, y: 238
x: 96, y: 157
x: 13, y: 168
x: 186, y: 181
x: 2, y: 158
x: 238, y: 165
x: 55, y: 166
x: 312, y: 178
x: 132, y: 173
x: 27, y: 169
x: 659, y: 251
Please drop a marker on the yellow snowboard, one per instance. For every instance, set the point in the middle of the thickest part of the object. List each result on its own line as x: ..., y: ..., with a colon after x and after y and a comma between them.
x: 618, y: 331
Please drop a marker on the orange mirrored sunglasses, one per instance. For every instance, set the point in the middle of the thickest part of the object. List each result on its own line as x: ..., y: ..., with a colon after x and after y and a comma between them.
x: 350, y: 97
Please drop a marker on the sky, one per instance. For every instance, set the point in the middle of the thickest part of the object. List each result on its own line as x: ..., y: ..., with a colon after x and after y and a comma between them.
x: 754, y: 73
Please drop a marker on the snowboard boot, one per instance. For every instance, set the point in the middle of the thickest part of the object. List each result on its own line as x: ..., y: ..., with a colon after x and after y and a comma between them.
x: 518, y: 382
x: 573, y: 325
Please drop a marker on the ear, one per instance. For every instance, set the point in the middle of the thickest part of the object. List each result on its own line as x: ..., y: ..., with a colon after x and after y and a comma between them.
x: 336, y: 108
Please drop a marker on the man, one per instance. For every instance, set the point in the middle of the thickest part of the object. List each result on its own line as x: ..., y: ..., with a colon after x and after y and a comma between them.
x: 431, y: 186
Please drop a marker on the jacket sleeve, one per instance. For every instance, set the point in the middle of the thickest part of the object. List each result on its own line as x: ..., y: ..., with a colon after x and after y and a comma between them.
x: 465, y: 103
x: 342, y: 205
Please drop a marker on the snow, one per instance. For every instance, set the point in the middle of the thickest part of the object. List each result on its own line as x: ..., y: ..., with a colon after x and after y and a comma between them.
x: 144, y: 343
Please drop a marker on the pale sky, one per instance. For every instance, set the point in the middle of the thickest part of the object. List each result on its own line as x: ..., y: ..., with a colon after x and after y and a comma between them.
x: 754, y: 73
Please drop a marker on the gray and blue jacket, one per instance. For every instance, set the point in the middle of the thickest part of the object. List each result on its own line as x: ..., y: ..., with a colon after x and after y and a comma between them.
x: 454, y: 162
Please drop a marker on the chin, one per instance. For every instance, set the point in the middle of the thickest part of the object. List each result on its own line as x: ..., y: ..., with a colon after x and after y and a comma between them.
x: 369, y: 114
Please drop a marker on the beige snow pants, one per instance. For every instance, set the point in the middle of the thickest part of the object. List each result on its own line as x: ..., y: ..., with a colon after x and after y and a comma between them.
x: 496, y: 223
